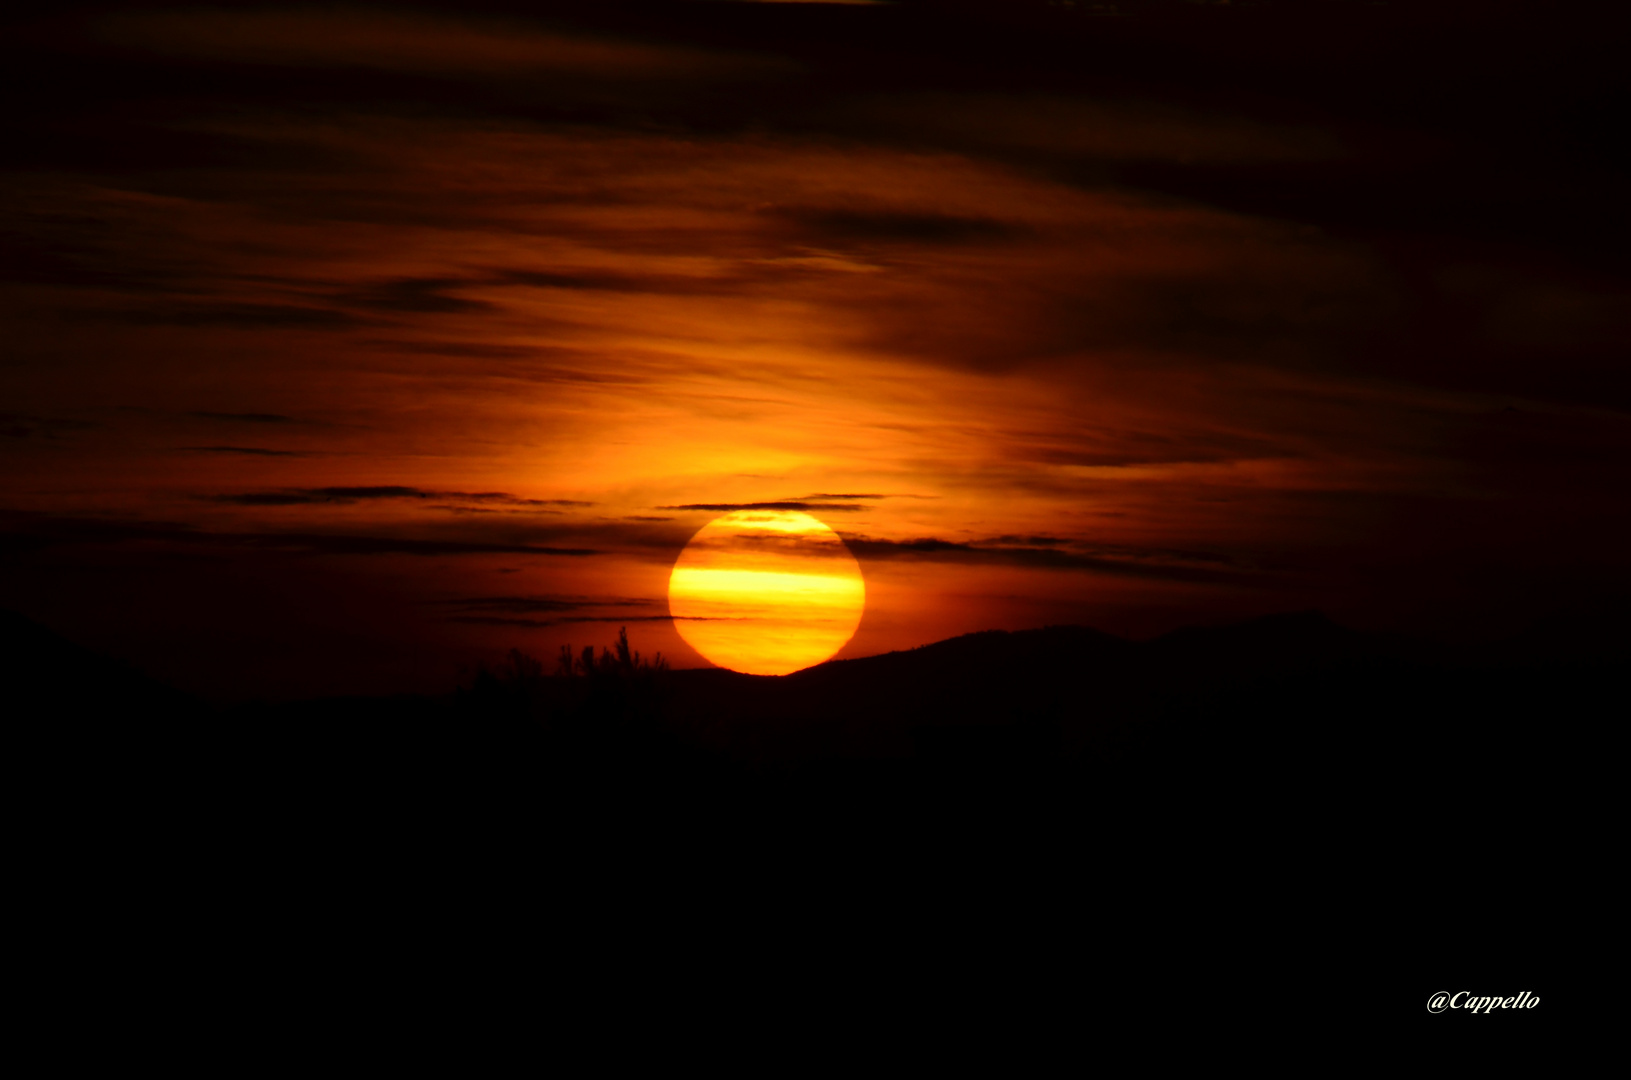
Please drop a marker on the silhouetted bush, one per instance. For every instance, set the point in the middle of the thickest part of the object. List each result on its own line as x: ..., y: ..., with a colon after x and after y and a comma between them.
x: 617, y: 662
x: 612, y: 695
x: 514, y: 691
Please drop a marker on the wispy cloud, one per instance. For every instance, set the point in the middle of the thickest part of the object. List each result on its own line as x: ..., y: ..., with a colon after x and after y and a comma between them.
x: 546, y: 611
x: 538, y: 604
x: 809, y: 507
x: 248, y: 451
x: 27, y: 425
x: 566, y: 620
x: 349, y: 495
x: 1049, y: 555
x: 245, y: 417
x: 35, y: 532
x: 245, y: 316
x: 410, y: 43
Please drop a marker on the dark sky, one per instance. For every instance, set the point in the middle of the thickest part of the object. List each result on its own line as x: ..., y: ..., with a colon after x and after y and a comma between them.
x: 346, y: 346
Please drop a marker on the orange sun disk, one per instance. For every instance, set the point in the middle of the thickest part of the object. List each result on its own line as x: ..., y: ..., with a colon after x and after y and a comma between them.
x: 766, y: 592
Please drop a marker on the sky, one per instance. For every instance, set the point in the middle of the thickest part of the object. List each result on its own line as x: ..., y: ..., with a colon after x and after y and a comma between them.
x: 347, y: 347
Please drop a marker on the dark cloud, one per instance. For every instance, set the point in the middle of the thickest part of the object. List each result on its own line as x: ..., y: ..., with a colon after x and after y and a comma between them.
x: 482, y: 350
x: 335, y: 544
x: 246, y: 316
x: 500, y: 620
x: 725, y: 280
x: 1150, y: 564
x: 25, y: 425
x: 23, y: 532
x: 417, y: 295
x: 728, y: 507
x: 251, y: 451
x: 452, y: 45
x: 610, y: 281
x: 858, y: 226
x: 1116, y: 448
x: 246, y: 418
x: 103, y: 138
x: 1158, y: 554
x: 535, y: 363
x: 892, y: 549
x: 521, y: 605
x: 78, y: 250
x: 31, y: 261
x: 266, y: 498
x: 344, y: 495
x: 1031, y: 541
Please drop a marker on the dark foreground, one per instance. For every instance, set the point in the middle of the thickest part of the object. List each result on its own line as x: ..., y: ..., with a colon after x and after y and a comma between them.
x: 1282, y: 802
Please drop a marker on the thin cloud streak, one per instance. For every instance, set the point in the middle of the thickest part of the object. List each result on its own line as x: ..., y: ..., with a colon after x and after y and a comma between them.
x: 526, y: 604
x: 349, y: 495
x: 32, y: 533
x: 809, y: 507
x: 1160, y: 567
x: 571, y: 620
x: 246, y: 451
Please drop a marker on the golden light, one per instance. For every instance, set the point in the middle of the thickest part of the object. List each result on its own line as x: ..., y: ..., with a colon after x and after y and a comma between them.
x: 766, y: 592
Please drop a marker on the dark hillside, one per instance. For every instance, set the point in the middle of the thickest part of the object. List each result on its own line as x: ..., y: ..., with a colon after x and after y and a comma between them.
x: 50, y: 679
x: 1275, y: 774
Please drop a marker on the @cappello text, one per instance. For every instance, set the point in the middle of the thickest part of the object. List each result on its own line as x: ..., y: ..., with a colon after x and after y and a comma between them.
x: 1466, y: 999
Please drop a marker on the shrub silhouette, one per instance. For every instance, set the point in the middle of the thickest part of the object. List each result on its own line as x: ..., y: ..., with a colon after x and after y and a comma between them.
x: 615, y: 693
x: 619, y: 661
x: 513, y: 691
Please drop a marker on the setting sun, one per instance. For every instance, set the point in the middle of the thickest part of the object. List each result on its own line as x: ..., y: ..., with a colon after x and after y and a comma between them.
x: 766, y: 592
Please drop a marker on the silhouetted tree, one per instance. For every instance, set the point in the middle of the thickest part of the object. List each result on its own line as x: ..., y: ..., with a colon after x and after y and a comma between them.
x: 514, y: 690
x: 619, y: 661
x: 521, y: 670
x: 613, y: 694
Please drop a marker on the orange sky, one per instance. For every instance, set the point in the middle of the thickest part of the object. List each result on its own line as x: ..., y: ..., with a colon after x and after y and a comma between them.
x: 422, y: 381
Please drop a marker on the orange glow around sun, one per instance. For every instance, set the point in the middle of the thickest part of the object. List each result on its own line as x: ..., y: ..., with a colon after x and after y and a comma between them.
x: 766, y: 592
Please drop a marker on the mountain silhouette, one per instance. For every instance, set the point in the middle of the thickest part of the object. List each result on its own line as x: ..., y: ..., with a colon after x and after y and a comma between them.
x: 49, y: 678
x: 1069, y: 695
x: 1281, y: 772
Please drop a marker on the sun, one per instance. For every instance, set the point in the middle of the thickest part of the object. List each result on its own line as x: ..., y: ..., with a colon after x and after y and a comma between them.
x: 766, y: 592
